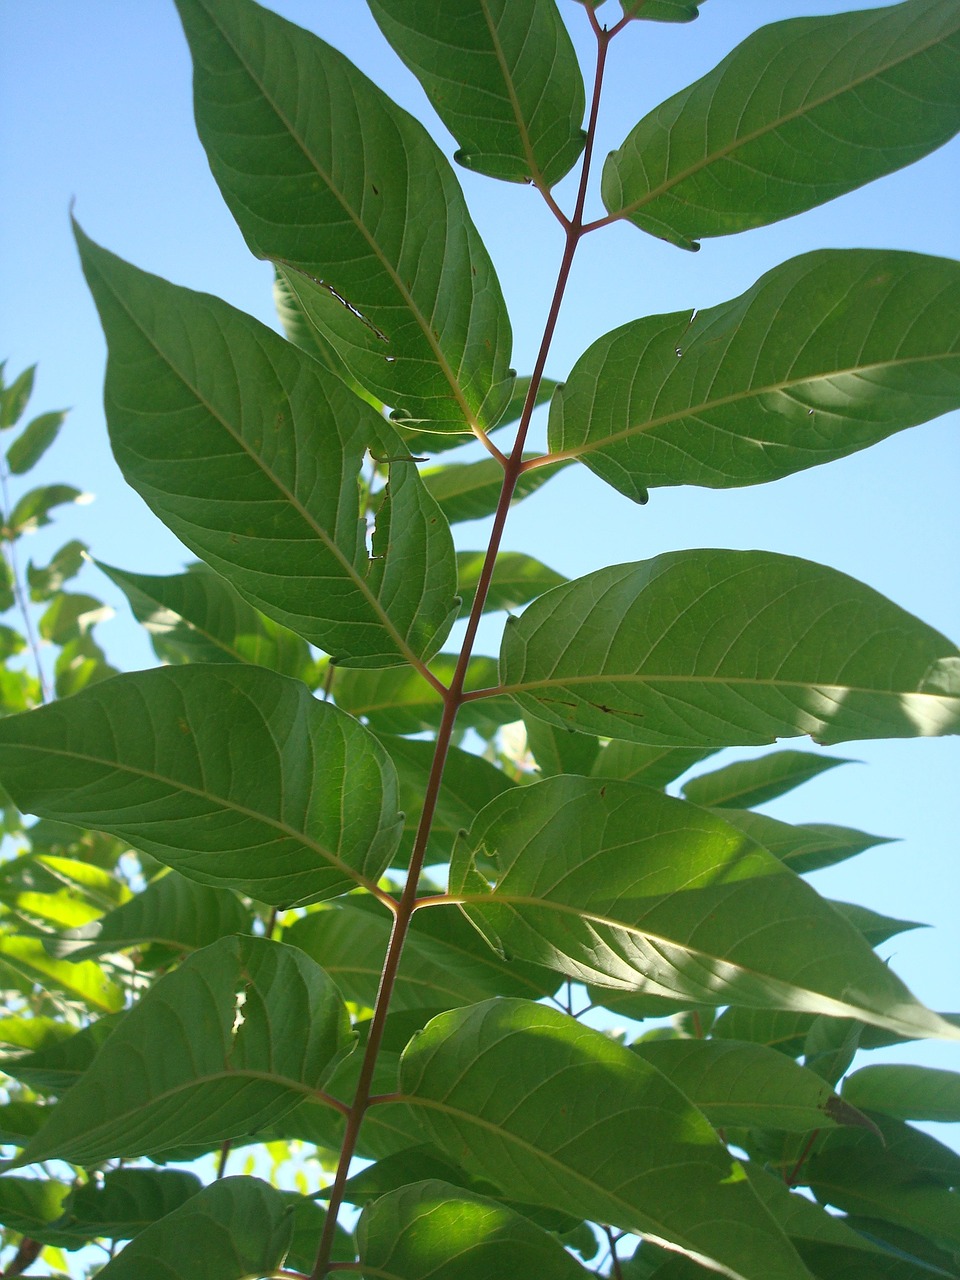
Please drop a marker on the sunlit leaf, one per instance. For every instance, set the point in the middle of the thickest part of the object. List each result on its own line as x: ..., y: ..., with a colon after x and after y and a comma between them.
x: 826, y: 354
x: 802, y: 111
x: 246, y: 448
x: 26, y: 960
x: 558, y: 1114
x: 433, y: 1231
x: 618, y: 885
x: 231, y: 775
x: 719, y: 648
x: 208, y: 1054
x: 402, y: 289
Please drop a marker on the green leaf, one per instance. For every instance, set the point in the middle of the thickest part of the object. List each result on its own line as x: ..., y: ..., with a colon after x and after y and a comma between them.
x: 33, y: 442
x: 806, y: 847
x: 517, y: 579
x: 400, y: 701
x: 27, y: 960
x: 906, y: 1092
x: 233, y: 776
x: 45, y: 582
x: 876, y: 928
x: 32, y: 511
x: 662, y: 10
x: 802, y: 111
x: 431, y: 1230
x: 746, y: 783
x: 232, y: 1229
x: 172, y: 911
x: 653, y: 766
x: 438, y: 972
x: 431, y: 442
x: 56, y: 1065
x: 557, y: 1114
x: 618, y: 885
x: 70, y: 615
x: 748, y: 1085
x: 502, y: 76
x: 19, y: 1121
x: 208, y: 1054
x: 471, y: 490
x: 80, y: 663
x: 317, y: 168
x: 251, y: 461
x: 826, y: 354
x: 720, y: 648
x: 468, y: 783
x: 199, y: 617
x: 13, y: 398
x: 32, y: 1205
x: 560, y: 750
x: 123, y: 1202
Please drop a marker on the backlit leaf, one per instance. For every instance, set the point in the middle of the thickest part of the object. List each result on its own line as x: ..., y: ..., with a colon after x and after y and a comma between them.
x: 27, y: 961
x: 206, y: 1055
x: 906, y: 1092
x: 807, y: 846
x: 618, y: 885
x: 746, y: 783
x: 719, y: 648
x: 802, y: 111
x: 232, y: 775
x: 402, y: 289
x: 471, y: 490
x: 826, y: 354
x: 517, y: 579
x: 33, y: 442
x: 502, y: 75
x: 399, y: 700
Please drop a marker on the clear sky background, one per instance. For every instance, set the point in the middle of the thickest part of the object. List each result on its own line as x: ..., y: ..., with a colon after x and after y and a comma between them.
x: 95, y: 107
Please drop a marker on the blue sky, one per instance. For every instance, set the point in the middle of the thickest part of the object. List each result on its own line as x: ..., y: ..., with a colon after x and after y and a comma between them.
x: 95, y: 108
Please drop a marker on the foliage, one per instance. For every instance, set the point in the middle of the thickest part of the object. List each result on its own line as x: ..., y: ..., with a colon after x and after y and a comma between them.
x: 219, y: 933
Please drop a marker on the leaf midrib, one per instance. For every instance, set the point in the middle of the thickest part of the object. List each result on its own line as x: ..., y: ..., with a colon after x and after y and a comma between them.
x: 805, y: 108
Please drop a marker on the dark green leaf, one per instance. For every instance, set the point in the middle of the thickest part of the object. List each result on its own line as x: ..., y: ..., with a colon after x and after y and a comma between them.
x: 876, y: 928
x: 517, y: 579
x: 433, y: 1231
x: 802, y: 111
x: 653, y: 766
x: 19, y: 1121
x: 231, y: 1040
x: 32, y: 511
x: 559, y: 751
x: 252, y: 463
x: 618, y: 885
x: 471, y: 490
x: 58, y: 1064
x: 400, y: 701
x: 824, y: 355
x: 11, y: 643
x: 172, y: 911
x: 33, y: 442
x: 558, y: 1114
x: 662, y: 10
x: 749, y: 1085
x: 746, y: 783
x: 198, y: 617
x: 720, y: 648
x: 232, y: 775
x: 232, y: 1229
x: 803, y: 848
x: 502, y: 76
x: 317, y: 167
x: 123, y: 1202
x: 32, y: 1205
x: 13, y: 398
x: 906, y: 1092
x: 45, y: 582
x: 430, y: 442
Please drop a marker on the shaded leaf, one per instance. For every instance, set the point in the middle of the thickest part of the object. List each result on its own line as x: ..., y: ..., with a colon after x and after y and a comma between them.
x: 517, y: 579
x: 807, y: 846
x: 243, y: 446
x: 206, y: 1055
x: 45, y: 582
x: 906, y: 1092
x: 431, y: 442
x: 826, y: 354
x: 232, y: 775
x: 19, y: 1121
x: 471, y: 490
x: 433, y: 1231
x: 32, y: 1205
x: 232, y: 1229
x: 874, y: 926
x: 32, y: 511
x: 402, y: 289
x: 13, y: 398
x: 123, y: 1202
x: 503, y: 77
x: 59, y: 1060
x: 748, y: 1085
x: 172, y: 911
x: 800, y: 112
x: 80, y: 663
x: 69, y: 616
x: 662, y: 10
x: 718, y: 648
x: 618, y: 885
x: 746, y: 783
x: 560, y: 1115
x: 559, y: 751
x: 199, y: 617
x: 653, y: 766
